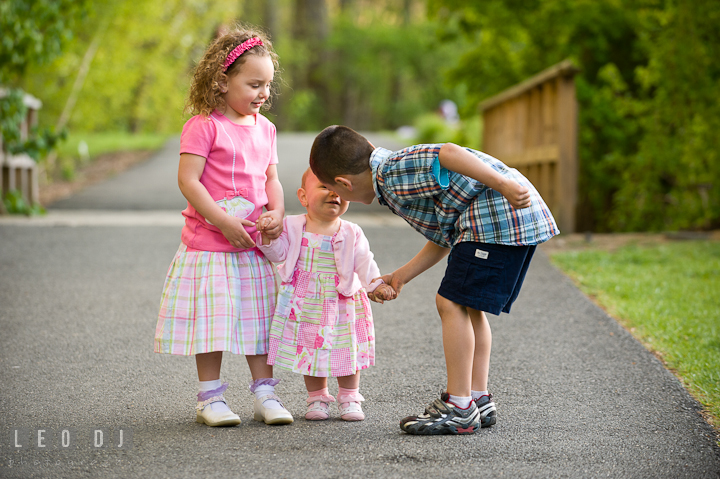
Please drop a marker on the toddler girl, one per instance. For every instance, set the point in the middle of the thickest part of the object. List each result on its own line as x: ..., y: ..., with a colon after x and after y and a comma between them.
x: 220, y: 293
x: 323, y: 324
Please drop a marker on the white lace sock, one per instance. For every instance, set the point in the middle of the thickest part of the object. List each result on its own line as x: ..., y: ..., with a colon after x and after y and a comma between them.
x: 217, y: 406
x: 264, y: 390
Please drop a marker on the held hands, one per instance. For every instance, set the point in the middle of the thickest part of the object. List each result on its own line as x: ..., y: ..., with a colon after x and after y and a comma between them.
x: 394, y: 281
x: 516, y: 194
x: 384, y: 292
x: 392, y: 285
x: 269, y: 224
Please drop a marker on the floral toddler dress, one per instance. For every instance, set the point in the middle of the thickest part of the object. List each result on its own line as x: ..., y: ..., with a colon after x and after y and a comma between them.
x: 316, y: 331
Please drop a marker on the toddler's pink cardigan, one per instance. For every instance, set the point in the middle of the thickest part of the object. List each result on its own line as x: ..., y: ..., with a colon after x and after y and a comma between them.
x: 350, y: 246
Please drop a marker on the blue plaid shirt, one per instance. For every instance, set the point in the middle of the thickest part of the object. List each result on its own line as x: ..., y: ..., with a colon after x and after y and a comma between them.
x: 449, y: 208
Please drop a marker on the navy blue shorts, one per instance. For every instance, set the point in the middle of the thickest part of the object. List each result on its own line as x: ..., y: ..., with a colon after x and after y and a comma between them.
x: 486, y: 277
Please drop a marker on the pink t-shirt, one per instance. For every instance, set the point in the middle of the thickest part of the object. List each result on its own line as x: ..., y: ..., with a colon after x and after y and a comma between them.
x: 239, y: 185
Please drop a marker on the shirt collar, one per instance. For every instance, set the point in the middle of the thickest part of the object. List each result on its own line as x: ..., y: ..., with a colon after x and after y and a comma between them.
x: 377, y: 158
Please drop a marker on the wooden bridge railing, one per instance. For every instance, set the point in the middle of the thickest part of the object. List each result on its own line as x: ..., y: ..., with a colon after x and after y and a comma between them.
x: 20, y: 172
x: 532, y: 126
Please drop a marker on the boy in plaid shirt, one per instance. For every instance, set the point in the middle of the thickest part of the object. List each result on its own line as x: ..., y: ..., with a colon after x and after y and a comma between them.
x: 487, y: 216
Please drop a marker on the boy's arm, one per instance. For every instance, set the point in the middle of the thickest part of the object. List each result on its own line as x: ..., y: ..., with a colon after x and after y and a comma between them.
x: 429, y: 256
x: 459, y: 160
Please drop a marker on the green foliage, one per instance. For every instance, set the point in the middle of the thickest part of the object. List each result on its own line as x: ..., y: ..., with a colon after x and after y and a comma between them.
x: 33, y: 32
x: 38, y: 143
x: 666, y: 295
x: 15, y: 204
x: 432, y: 128
x: 674, y: 174
x: 375, y: 74
x: 377, y: 68
x: 139, y: 76
x: 647, y: 93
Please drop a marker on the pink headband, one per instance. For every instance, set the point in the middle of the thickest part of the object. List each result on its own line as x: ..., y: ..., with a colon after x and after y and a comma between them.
x: 239, y: 50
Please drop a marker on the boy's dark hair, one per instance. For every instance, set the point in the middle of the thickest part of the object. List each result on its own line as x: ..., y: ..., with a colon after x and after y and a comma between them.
x: 339, y: 150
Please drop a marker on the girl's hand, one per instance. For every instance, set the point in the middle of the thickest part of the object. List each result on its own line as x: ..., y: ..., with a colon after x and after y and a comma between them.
x: 234, y: 230
x: 270, y: 224
x: 516, y: 194
x: 384, y: 292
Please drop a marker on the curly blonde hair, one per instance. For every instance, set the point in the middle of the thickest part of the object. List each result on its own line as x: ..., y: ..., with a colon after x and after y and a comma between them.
x: 205, y: 95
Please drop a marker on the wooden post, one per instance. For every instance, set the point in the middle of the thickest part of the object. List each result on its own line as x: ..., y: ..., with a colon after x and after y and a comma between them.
x: 20, y: 172
x: 532, y: 126
x: 567, y: 176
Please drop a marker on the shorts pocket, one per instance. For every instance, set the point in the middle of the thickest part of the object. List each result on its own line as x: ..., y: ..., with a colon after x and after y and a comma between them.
x: 483, y: 272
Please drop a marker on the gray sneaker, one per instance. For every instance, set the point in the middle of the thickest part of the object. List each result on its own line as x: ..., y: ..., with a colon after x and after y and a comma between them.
x: 443, y: 417
x: 488, y: 412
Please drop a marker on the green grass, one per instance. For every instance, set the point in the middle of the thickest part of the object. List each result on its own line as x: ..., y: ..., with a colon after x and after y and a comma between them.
x: 668, y: 296
x: 81, y: 148
x: 106, y: 142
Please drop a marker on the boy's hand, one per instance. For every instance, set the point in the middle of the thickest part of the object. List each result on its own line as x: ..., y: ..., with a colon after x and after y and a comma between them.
x: 270, y: 224
x: 516, y: 194
x: 393, y: 280
x: 382, y: 293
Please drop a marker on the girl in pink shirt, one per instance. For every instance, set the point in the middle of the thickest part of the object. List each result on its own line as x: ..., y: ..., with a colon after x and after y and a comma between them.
x: 219, y: 294
x: 323, y: 324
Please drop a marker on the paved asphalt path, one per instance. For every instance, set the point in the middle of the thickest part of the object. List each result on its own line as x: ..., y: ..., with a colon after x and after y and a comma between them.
x: 79, y: 290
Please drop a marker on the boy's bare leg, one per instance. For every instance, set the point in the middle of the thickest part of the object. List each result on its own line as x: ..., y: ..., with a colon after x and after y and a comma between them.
x: 459, y: 345
x: 483, y: 344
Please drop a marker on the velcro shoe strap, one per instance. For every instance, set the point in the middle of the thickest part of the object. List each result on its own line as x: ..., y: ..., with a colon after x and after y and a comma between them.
x: 326, y: 398
x: 437, y: 408
x: 352, y: 397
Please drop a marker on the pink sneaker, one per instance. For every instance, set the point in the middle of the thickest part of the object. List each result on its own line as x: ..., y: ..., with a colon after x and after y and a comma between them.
x: 318, y: 407
x: 350, y: 408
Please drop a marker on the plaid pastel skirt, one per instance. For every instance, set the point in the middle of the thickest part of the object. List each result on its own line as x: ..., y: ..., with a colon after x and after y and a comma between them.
x: 214, y: 301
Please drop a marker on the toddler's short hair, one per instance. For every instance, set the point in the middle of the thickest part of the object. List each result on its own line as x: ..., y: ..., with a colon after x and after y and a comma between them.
x: 303, y: 180
x: 339, y: 150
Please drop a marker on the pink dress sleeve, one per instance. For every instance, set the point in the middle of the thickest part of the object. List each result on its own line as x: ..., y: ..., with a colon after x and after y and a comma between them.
x: 197, y: 136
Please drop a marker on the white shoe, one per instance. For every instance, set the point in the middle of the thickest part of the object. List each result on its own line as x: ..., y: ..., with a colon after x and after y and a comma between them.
x: 271, y: 416
x: 206, y: 415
